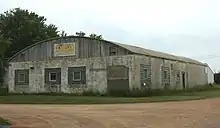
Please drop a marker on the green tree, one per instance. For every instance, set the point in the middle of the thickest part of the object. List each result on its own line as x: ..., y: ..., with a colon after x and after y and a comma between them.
x: 82, y: 34
x: 96, y: 36
x: 99, y: 37
x: 63, y: 33
x: 4, y: 44
x: 24, y: 28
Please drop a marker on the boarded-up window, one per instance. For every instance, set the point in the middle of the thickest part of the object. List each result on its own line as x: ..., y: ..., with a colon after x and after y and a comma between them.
x: 22, y: 77
x: 145, y: 74
x: 144, y: 71
x: 177, y: 77
x: 52, y: 75
x: 165, y: 76
x: 76, y: 75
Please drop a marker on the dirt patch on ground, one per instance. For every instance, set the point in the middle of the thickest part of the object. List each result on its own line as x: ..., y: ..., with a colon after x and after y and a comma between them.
x: 187, y: 114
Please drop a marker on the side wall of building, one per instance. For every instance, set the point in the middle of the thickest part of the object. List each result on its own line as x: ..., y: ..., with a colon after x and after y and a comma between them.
x: 96, y: 74
x: 174, y: 71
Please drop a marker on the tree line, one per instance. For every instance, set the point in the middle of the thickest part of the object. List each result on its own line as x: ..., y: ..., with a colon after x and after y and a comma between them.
x: 20, y: 28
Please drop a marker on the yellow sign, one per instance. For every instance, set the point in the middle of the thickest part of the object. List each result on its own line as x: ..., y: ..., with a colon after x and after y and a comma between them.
x: 65, y: 49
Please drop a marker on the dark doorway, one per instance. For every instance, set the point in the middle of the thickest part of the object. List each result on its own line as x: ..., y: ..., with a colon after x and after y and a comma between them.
x: 52, y: 77
x: 183, y: 80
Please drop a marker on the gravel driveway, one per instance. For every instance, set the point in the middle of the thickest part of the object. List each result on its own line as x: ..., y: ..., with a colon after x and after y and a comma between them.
x: 187, y: 114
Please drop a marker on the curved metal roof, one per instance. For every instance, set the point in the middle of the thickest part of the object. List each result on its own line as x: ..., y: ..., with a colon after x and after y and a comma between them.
x: 133, y: 49
x: 148, y: 52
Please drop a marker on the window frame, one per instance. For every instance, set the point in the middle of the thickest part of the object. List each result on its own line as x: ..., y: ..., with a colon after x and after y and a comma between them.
x: 50, y: 80
x: 165, y: 74
x: 171, y: 66
x: 24, y: 76
x: 112, y: 51
x: 21, y: 77
x: 80, y: 74
x: 145, y: 73
x: 178, y: 75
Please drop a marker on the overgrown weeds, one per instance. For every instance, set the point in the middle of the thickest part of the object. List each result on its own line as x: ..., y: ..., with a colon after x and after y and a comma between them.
x: 4, y: 122
x: 127, y: 93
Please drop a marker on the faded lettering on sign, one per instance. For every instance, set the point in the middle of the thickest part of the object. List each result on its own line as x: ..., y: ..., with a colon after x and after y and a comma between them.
x: 65, y: 49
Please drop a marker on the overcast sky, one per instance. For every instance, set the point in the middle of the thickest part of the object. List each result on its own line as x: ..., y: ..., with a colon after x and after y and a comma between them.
x: 189, y: 28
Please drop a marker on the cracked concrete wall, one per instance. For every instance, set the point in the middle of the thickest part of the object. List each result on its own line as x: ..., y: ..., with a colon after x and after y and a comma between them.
x: 95, y: 73
x: 195, y: 73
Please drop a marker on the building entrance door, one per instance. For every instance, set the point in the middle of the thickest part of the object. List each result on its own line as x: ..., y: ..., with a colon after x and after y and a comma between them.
x: 183, y: 80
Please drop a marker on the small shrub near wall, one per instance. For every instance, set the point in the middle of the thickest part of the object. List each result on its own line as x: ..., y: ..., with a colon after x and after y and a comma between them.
x: 160, y: 92
x: 4, y: 123
x: 3, y: 91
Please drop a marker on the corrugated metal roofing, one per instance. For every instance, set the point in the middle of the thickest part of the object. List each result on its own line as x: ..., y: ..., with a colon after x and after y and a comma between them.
x: 148, y: 52
x: 134, y: 49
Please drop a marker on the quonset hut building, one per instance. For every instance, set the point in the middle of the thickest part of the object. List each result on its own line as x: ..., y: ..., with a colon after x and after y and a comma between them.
x: 70, y: 64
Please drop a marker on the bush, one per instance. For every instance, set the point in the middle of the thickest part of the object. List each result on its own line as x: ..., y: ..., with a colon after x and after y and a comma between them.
x: 3, y: 91
x: 159, y: 92
x: 4, y: 122
x: 123, y: 93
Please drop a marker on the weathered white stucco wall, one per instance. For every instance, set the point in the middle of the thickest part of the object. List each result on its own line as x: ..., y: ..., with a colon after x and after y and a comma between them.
x: 210, y: 75
x: 95, y: 73
x: 195, y: 74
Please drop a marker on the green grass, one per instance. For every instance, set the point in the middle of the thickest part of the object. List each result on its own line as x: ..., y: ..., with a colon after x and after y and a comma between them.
x: 3, y: 122
x: 130, y: 97
x: 71, y: 99
x: 33, y: 99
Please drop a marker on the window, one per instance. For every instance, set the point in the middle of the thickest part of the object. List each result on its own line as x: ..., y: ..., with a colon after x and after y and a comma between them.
x: 145, y: 73
x: 52, y: 76
x: 112, y: 51
x: 76, y: 76
x: 21, y: 77
x: 178, y: 75
x: 171, y: 66
x: 165, y: 74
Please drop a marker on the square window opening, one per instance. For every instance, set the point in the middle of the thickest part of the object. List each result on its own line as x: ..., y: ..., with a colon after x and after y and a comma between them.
x: 178, y: 75
x: 112, y: 51
x: 52, y: 76
x: 77, y: 76
x: 21, y: 77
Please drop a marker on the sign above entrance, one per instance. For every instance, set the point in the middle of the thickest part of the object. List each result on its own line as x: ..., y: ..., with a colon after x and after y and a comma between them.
x: 65, y: 49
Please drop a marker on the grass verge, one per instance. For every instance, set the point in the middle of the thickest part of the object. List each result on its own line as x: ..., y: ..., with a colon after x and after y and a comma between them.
x: 4, y: 122
x: 72, y: 99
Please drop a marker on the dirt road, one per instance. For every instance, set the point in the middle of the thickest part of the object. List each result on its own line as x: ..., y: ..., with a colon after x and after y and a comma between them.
x: 188, y: 114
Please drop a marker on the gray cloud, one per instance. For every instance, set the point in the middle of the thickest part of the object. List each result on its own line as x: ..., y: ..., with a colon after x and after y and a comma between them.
x: 189, y: 28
